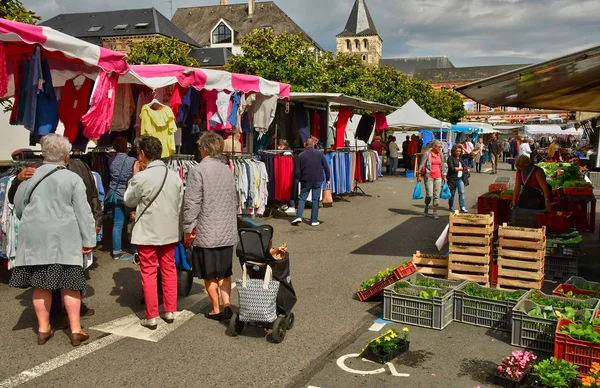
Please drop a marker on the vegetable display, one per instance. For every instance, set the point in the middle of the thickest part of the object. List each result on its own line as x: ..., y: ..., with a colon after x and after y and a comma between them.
x: 375, y: 279
x: 492, y: 194
x: 548, y: 312
x: 429, y: 283
x: 582, y: 331
x: 561, y: 172
x: 568, y: 184
x: 404, y: 288
x: 554, y: 373
x: 543, y: 300
x: 476, y: 290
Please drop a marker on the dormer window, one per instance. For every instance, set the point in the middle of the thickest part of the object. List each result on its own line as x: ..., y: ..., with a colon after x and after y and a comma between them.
x: 141, y: 26
x: 121, y: 27
x: 221, y: 34
x: 95, y: 28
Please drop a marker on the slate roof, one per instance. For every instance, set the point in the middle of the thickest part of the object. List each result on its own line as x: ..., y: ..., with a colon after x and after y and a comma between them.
x: 410, y: 65
x: 198, y: 22
x: 79, y: 24
x: 463, y: 73
x: 211, y: 57
x: 360, y: 22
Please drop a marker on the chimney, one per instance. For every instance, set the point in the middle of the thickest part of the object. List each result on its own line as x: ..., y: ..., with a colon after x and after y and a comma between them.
x: 223, y: 2
x: 251, y: 7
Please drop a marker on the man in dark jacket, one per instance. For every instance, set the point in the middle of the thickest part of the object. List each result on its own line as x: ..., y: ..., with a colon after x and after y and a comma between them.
x: 494, y: 148
x: 57, y: 313
x: 309, y: 171
x: 514, y: 151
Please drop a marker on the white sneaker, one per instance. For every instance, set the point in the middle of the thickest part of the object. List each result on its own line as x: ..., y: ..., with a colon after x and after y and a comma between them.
x: 315, y: 223
x: 169, y: 317
x: 435, y: 216
x: 464, y: 210
x: 297, y: 221
x: 290, y: 211
x: 149, y: 323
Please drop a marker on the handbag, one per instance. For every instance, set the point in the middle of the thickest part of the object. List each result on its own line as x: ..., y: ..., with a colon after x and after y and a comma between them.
x: 417, y: 192
x: 327, y: 197
x: 111, y: 197
x: 445, y: 194
x: 258, y: 297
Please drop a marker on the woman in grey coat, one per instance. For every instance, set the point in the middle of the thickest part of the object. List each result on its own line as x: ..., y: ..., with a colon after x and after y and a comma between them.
x: 56, y: 229
x: 210, y: 222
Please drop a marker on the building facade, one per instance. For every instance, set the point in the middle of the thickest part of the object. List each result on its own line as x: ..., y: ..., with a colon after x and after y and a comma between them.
x: 360, y: 36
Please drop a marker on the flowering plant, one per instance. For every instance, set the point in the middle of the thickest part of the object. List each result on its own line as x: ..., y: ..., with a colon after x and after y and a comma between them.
x: 516, y: 365
x: 385, y: 343
x: 593, y: 378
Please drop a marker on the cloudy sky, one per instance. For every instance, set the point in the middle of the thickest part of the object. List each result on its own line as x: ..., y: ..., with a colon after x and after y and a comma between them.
x: 469, y: 32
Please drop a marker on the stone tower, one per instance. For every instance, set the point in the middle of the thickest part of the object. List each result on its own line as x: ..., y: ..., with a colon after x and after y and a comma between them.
x: 360, y: 36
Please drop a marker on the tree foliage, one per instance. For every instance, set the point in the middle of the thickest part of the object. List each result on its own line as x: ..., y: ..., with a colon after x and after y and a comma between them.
x: 14, y: 10
x: 160, y: 51
x: 291, y: 59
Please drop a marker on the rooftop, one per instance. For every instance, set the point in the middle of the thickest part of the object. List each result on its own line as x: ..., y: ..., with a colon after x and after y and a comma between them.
x: 473, y: 73
x: 360, y: 21
x: 211, y: 57
x: 411, y: 65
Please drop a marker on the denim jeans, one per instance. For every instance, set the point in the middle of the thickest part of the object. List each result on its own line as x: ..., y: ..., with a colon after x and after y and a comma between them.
x: 480, y: 164
x: 380, y: 166
x: 316, y: 194
x: 460, y: 185
x: 393, y: 166
x: 117, y: 231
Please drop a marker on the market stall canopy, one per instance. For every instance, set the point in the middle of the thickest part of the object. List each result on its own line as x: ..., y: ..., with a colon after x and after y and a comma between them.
x: 571, y: 82
x: 160, y: 76
x: 410, y: 115
x: 531, y: 130
x: 338, y: 99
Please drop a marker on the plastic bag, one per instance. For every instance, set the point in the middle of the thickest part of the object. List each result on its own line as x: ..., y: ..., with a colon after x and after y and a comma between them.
x: 445, y: 194
x: 443, y: 239
x: 418, y: 192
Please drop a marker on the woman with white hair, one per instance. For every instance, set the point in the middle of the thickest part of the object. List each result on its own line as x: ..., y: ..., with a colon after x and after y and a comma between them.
x: 56, y: 229
x: 433, y: 169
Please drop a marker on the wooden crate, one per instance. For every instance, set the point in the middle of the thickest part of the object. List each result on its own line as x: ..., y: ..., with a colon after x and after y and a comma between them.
x: 474, y: 268
x: 431, y: 265
x: 521, y: 257
x: 467, y: 225
x: 522, y: 234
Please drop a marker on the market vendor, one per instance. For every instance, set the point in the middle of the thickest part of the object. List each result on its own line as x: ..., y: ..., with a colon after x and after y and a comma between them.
x: 554, y: 151
x: 536, y: 191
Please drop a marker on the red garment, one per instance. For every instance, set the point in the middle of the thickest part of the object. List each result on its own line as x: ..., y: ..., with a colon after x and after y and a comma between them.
x: 19, y: 66
x: 315, y: 127
x: 340, y: 128
x: 412, y: 147
x: 284, y: 175
x: 3, y: 72
x: 378, y: 146
x: 73, y: 105
x: 175, y: 102
x: 533, y: 181
x: 436, y: 165
x: 380, y: 122
x: 98, y: 119
x: 358, y: 172
x: 150, y: 257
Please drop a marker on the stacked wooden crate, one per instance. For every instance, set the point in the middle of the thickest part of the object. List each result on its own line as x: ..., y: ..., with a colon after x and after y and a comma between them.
x: 431, y: 265
x: 471, y: 237
x: 521, y: 257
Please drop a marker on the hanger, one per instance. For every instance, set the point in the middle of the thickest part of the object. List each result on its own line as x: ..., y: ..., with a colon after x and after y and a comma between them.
x: 155, y: 101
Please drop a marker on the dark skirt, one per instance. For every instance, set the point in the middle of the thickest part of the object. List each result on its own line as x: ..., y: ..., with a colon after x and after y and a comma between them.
x: 49, y: 277
x: 213, y: 263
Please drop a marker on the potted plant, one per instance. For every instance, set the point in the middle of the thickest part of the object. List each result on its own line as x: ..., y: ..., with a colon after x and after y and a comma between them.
x: 553, y: 373
x: 513, y: 371
x: 593, y: 378
x: 386, y: 347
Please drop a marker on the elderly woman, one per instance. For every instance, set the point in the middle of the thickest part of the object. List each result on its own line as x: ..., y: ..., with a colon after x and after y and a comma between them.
x: 433, y: 171
x: 157, y: 195
x: 537, y: 193
x: 210, y: 222
x: 478, y: 151
x: 232, y: 144
x: 458, y: 178
x: 56, y: 229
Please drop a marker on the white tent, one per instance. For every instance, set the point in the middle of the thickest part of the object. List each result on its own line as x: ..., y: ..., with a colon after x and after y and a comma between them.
x: 410, y: 115
x: 532, y: 130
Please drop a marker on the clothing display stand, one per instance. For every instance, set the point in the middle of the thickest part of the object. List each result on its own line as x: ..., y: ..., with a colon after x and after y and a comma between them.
x: 357, y: 190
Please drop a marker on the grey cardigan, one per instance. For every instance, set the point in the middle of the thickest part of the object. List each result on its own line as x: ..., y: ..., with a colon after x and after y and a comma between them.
x: 210, y: 204
x: 57, y: 223
x: 426, y: 165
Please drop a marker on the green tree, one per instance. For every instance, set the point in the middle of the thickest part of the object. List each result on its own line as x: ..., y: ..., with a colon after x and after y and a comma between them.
x: 450, y: 107
x: 160, y: 51
x: 14, y: 10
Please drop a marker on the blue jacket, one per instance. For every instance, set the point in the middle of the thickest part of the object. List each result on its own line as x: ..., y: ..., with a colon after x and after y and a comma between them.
x: 310, y: 166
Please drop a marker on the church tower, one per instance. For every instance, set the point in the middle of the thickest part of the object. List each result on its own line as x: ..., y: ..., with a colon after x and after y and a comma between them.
x: 360, y: 36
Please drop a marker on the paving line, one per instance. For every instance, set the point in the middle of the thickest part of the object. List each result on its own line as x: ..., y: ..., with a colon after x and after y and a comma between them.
x: 59, y: 361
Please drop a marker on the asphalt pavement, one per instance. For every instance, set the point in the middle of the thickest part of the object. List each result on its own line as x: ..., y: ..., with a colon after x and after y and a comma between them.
x: 358, y: 237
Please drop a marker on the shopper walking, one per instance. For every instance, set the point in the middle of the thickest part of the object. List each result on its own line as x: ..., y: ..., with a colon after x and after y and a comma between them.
x: 310, y: 167
x: 525, y: 149
x: 468, y: 150
x: 554, y: 150
x: 406, y: 156
x: 514, y: 151
x: 505, y: 149
x: 433, y: 170
x: 494, y: 149
x: 56, y: 229
x: 478, y: 151
x: 378, y: 146
x: 458, y: 178
x: 393, y: 148
x: 121, y: 171
x: 157, y: 195
x: 210, y: 222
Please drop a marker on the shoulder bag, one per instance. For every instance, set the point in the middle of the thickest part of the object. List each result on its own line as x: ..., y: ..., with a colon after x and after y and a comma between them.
x: 111, y: 197
x: 152, y: 201
x: 41, y: 180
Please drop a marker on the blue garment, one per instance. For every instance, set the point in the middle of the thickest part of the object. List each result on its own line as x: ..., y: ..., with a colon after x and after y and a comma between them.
x: 120, y: 162
x: 46, y: 119
x: 34, y: 78
x: 246, y: 126
x: 316, y: 195
x: 101, y: 195
x: 310, y: 166
x: 460, y: 185
x: 233, y: 118
x: 427, y: 137
x: 303, y: 122
x: 190, y: 105
x: 23, y: 100
x: 117, y: 231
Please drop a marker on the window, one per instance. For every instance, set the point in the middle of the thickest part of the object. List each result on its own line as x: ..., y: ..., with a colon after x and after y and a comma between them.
x: 121, y: 27
x: 141, y: 26
x: 478, y: 107
x: 348, y: 45
x: 95, y: 28
x: 221, y: 34
x: 357, y: 44
x: 443, y: 88
x: 206, y: 60
x: 364, y: 57
x: 366, y: 44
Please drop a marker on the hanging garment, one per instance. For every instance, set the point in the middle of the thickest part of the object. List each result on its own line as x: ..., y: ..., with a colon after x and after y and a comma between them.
x: 303, y: 122
x: 98, y: 119
x: 3, y: 72
x: 43, y: 119
x: 21, y: 72
x: 73, y: 105
x: 190, y: 105
x: 35, y: 83
x: 284, y: 174
x: 340, y: 127
x: 365, y: 128
x: 235, y: 106
x: 264, y: 112
x: 315, y: 127
x: 142, y: 100
x: 218, y: 105
x: 176, y: 98
x: 380, y: 122
x: 160, y: 123
x: 124, y: 108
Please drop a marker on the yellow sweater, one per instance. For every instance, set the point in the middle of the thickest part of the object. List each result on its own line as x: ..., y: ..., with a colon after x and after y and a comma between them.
x: 160, y: 123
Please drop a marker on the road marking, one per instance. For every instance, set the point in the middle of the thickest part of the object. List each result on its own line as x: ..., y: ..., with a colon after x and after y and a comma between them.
x: 341, y: 362
x: 59, y: 361
x: 130, y: 327
x: 378, y: 324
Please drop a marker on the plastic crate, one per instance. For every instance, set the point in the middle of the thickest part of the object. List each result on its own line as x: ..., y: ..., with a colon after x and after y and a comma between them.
x: 560, y: 268
x: 578, y: 282
x: 536, y: 333
x: 579, y: 191
x: 479, y: 311
x: 402, y: 272
x: 378, y: 287
x: 563, y: 289
x: 526, y: 218
x: 500, y: 208
x: 555, y: 222
x: 434, y: 313
x: 577, y: 352
x: 498, y: 186
x: 566, y: 251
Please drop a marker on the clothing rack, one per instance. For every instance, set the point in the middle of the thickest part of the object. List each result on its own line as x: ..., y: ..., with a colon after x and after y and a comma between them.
x: 180, y: 157
x: 101, y: 149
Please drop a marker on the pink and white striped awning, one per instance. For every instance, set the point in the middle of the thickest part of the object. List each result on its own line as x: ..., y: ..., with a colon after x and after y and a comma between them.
x: 159, y: 76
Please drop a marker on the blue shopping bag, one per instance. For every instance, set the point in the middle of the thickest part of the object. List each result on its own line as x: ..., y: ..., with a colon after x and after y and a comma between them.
x: 445, y: 194
x: 418, y: 192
